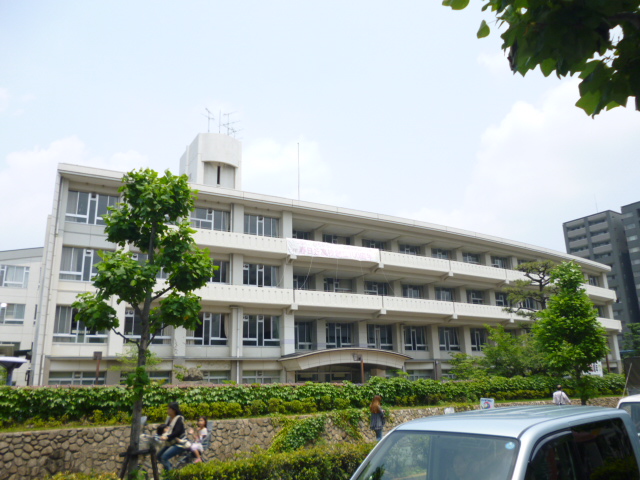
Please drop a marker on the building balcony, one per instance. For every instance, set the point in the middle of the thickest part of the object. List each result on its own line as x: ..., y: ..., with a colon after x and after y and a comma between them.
x: 231, y: 242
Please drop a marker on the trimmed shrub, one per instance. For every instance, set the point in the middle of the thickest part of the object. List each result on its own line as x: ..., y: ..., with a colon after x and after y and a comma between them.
x: 336, y: 462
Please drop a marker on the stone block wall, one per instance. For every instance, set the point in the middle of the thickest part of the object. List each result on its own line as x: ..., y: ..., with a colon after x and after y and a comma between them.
x: 34, y: 455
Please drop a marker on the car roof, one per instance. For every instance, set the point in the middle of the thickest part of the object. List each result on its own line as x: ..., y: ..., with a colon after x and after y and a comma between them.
x: 509, y: 421
x: 630, y: 399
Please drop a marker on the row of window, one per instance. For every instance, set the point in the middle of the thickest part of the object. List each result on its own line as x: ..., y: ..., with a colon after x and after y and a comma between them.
x: 89, y: 208
x: 14, y: 276
x: 209, y: 376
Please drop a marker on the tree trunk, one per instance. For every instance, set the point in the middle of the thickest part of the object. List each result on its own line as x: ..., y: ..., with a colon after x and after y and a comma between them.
x: 136, y: 414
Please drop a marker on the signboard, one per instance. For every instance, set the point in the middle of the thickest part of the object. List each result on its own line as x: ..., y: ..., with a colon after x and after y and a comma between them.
x: 308, y: 248
x: 486, y: 403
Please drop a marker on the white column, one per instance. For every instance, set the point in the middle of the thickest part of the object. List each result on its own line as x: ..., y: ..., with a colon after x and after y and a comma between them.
x: 465, y: 340
x: 236, y: 268
x: 361, y: 331
x: 321, y: 334
x: 287, y: 335
x: 237, y: 218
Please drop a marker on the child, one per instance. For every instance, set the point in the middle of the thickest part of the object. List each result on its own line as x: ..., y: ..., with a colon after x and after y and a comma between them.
x: 199, y: 435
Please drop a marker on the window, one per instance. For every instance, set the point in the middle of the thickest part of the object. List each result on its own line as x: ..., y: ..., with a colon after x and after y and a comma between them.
x: 260, y: 275
x: 601, y: 311
x: 449, y: 338
x: 597, y: 222
x: 594, y: 450
x: 67, y: 329
x: 14, y: 276
x: 629, y: 226
x: 502, y: 299
x: 261, y: 331
x: 627, y: 215
x: 12, y: 314
x: 444, y: 294
x: 210, y: 219
x: 216, y: 376
x: 260, y: 376
x: 88, y: 208
x: 471, y: 258
x: 594, y: 280
x: 339, y: 285
x: 374, y: 244
x: 414, y: 375
x: 78, y: 264
x: 412, y: 291
x: 631, y: 238
x: 475, y: 296
x: 529, y: 304
x: 601, y: 255
x: 339, y: 335
x: 222, y: 274
x: 478, y: 339
x: 575, y: 227
x: 601, y: 244
x: 262, y: 226
x: 299, y: 234
x: 304, y: 335
x: 336, y: 239
x: 636, y: 262
x: 634, y: 250
x: 133, y: 328
x: 379, y: 336
x: 409, y: 249
x: 415, y: 339
x: 524, y: 260
x: 577, y: 237
x: 441, y: 253
x: 500, y: 262
x: 301, y: 282
x: 76, y: 378
x: 578, y: 249
x: 211, y: 330
x: 377, y: 288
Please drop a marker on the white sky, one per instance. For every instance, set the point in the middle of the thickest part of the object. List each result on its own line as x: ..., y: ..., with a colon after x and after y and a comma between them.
x: 397, y: 107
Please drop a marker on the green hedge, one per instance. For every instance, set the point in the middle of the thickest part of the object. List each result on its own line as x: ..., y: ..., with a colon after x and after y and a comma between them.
x: 19, y: 404
x: 332, y: 462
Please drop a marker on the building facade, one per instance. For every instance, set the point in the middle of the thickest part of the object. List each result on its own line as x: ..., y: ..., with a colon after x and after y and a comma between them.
x: 631, y: 223
x: 304, y: 292
x: 602, y: 237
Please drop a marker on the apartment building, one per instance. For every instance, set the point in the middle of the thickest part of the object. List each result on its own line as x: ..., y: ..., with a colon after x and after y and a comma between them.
x: 602, y: 237
x: 305, y: 292
x: 631, y: 223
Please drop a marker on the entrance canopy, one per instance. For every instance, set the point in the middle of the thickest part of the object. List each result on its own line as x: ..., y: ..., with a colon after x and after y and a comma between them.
x: 335, y: 356
x: 11, y: 363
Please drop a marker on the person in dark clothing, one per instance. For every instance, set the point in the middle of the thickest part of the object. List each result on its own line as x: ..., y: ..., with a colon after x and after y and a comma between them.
x: 377, y: 416
x: 174, y: 435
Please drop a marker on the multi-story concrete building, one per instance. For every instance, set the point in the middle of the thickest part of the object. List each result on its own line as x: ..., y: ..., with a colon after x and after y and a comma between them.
x: 601, y: 237
x: 305, y: 292
x: 631, y: 223
x: 19, y: 281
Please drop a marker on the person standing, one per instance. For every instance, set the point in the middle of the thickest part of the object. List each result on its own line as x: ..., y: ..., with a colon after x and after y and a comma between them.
x: 560, y: 397
x: 377, y: 416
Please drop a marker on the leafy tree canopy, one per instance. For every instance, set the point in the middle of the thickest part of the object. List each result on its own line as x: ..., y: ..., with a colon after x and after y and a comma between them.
x: 598, y: 40
x: 507, y: 355
x: 153, y: 220
x: 528, y: 297
x: 631, y: 340
x: 568, y: 332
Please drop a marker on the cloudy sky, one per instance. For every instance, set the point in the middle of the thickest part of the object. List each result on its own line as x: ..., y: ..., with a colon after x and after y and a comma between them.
x: 396, y: 107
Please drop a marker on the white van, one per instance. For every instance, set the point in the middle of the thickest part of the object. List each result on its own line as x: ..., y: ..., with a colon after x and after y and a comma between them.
x: 631, y: 405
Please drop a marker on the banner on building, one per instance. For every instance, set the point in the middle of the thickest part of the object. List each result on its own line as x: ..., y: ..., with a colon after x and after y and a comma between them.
x: 308, y: 248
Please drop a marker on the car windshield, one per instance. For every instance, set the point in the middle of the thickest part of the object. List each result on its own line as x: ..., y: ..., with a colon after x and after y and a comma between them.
x: 411, y: 455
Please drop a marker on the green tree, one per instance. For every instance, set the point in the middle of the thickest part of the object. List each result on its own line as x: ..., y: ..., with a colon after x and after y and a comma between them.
x: 568, y: 332
x: 598, y: 40
x: 151, y: 220
x: 528, y: 297
x: 631, y: 340
x: 466, y: 367
x: 507, y: 355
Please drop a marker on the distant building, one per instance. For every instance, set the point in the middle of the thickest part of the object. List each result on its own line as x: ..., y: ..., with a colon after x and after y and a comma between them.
x: 305, y: 292
x: 602, y: 237
x: 631, y: 223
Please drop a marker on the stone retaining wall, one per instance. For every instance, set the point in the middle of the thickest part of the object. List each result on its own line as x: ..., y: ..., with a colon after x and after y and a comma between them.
x: 38, y: 454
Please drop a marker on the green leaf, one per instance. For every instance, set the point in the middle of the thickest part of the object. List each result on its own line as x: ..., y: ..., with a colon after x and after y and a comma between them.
x: 484, y: 30
x: 459, y: 4
x: 589, y: 102
x: 547, y: 66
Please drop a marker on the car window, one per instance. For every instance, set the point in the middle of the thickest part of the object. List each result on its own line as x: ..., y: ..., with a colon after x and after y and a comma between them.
x: 405, y: 455
x: 596, y: 451
x: 632, y: 409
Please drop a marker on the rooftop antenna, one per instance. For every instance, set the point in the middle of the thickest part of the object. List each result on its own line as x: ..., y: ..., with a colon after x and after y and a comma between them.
x: 228, y: 124
x: 210, y: 117
x: 298, y: 171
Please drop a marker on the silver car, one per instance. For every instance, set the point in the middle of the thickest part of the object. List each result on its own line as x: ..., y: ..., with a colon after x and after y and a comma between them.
x: 524, y: 443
